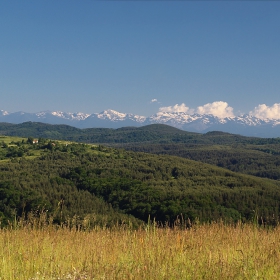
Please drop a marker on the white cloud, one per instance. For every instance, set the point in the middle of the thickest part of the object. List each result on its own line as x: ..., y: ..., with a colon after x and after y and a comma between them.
x: 263, y: 111
x: 153, y: 100
x: 218, y: 108
x: 177, y: 109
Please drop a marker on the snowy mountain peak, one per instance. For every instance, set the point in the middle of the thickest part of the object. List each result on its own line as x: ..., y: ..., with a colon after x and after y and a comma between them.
x: 4, y: 113
x: 244, y: 124
x: 68, y: 116
x: 111, y: 115
x: 117, y: 116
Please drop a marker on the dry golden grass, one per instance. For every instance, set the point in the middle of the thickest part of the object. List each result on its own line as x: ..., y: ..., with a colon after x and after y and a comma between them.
x: 213, y: 251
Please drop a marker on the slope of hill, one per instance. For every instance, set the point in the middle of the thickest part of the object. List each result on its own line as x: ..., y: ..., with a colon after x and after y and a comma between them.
x: 154, y: 132
x: 249, y: 155
x: 262, y: 160
x: 90, y: 182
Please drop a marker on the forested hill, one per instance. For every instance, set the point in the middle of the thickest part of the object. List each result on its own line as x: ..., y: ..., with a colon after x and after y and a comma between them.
x: 148, y: 133
x: 100, y: 185
x: 249, y: 155
x: 155, y: 133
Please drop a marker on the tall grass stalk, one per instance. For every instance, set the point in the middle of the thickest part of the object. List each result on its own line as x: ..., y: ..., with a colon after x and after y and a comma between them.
x: 213, y: 251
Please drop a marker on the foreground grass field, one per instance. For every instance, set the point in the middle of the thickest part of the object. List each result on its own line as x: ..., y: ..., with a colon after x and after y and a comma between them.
x: 213, y: 251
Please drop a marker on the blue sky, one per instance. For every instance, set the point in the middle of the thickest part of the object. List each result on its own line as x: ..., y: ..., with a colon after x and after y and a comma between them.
x: 88, y: 56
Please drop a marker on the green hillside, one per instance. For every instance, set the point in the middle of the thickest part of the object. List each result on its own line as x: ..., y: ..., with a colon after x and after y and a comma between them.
x: 249, y: 155
x: 105, y: 185
x: 158, y: 132
x: 262, y: 160
x: 155, y: 133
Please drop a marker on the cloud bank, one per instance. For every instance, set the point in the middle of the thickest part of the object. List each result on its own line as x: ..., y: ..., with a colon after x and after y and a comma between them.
x: 263, y: 111
x: 219, y: 109
x: 177, y: 109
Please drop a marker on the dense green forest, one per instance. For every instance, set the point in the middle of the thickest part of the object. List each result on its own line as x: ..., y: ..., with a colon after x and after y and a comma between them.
x: 155, y: 133
x: 103, y: 185
x: 262, y: 160
x: 248, y: 155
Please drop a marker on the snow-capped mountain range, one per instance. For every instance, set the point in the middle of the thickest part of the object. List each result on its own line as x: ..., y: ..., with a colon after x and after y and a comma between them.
x: 245, y: 124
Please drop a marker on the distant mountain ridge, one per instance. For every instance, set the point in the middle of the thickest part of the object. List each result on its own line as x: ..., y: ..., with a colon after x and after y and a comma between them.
x: 245, y: 124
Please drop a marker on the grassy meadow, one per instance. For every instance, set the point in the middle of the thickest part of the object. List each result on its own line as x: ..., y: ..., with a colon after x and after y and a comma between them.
x: 210, y: 251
